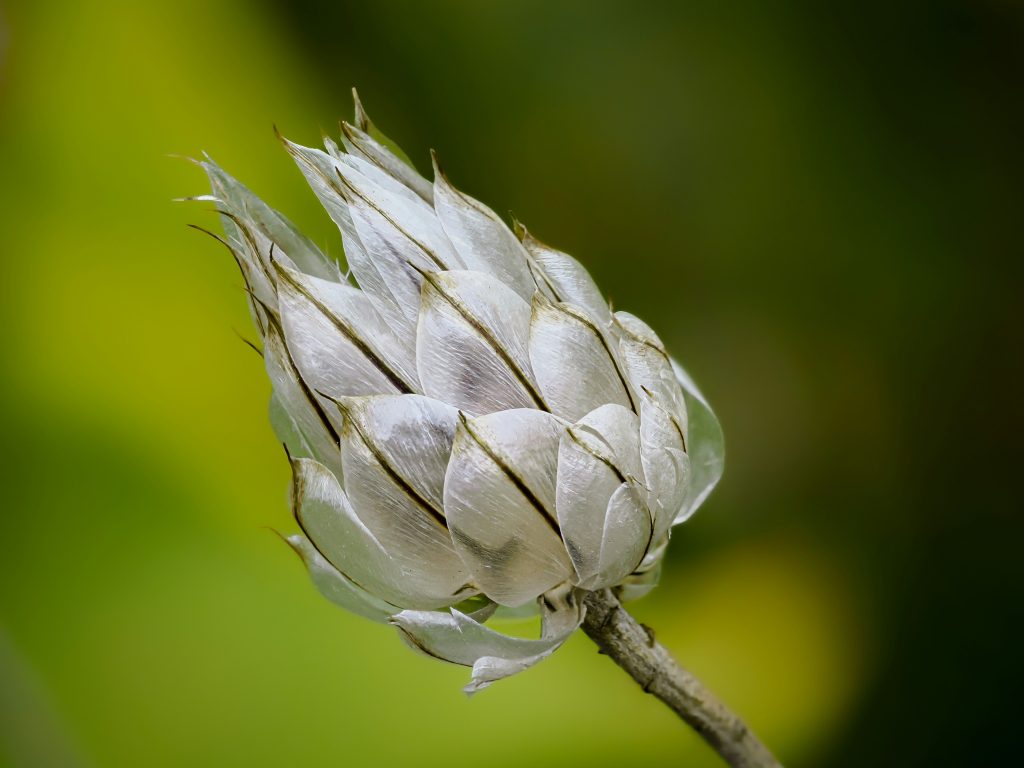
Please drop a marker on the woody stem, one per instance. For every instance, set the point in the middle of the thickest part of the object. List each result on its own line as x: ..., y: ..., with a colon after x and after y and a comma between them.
x: 632, y: 647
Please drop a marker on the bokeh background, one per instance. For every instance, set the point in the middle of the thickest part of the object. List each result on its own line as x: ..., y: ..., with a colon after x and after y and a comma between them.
x: 819, y: 207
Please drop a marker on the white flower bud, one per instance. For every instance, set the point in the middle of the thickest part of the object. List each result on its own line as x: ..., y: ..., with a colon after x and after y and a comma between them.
x: 469, y: 423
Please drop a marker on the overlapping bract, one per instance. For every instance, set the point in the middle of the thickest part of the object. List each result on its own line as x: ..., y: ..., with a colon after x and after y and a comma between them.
x: 470, y: 426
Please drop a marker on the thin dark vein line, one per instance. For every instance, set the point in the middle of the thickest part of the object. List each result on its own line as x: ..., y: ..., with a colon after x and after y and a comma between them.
x: 587, y: 323
x: 671, y: 417
x: 390, y: 374
x: 544, y: 275
x: 357, y: 142
x: 327, y: 180
x: 679, y: 429
x: 517, y: 481
x: 252, y: 244
x: 491, y: 341
x: 597, y: 455
x: 430, y: 254
x: 646, y: 342
x: 416, y: 642
x: 435, y: 514
x: 297, y: 514
x: 306, y: 392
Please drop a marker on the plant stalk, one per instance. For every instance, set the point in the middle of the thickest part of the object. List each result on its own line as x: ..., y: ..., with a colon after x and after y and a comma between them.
x: 632, y: 646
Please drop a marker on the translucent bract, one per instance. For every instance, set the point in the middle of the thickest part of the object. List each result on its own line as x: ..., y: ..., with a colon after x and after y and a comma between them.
x: 470, y: 426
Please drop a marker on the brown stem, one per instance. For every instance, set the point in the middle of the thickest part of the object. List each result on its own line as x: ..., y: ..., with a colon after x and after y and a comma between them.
x: 632, y: 647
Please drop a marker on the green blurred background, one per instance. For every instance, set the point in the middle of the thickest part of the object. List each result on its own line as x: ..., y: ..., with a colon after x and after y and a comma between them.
x: 818, y: 206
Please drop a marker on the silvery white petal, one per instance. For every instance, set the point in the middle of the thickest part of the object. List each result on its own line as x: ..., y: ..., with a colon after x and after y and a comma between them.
x: 286, y: 430
x: 376, y: 280
x: 400, y: 239
x: 573, y: 361
x: 483, y: 240
x: 459, y: 639
x: 413, y: 433
x: 471, y: 344
x: 395, y: 452
x: 363, y: 145
x: 627, y: 535
x: 706, y: 447
x: 419, y: 212
x: 297, y: 414
x: 270, y: 224
x: 567, y: 279
x: 663, y: 419
x: 320, y: 170
x: 666, y: 465
x: 327, y: 519
x: 338, y: 341
x: 647, y: 365
x: 399, y: 221
x: 332, y: 148
x: 499, y: 495
x: 485, y: 612
x: 335, y: 587
x: 588, y: 475
x: 605, y: 522
x: 390, y: 270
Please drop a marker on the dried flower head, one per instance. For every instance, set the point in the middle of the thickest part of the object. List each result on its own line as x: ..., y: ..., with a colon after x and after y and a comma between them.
x: 470, y: 425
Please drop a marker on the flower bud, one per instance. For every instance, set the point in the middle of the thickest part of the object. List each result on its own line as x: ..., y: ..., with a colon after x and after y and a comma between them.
x: 470, y: 426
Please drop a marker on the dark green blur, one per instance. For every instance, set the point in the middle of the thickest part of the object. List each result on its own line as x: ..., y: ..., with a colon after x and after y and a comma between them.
x: 819, y: 209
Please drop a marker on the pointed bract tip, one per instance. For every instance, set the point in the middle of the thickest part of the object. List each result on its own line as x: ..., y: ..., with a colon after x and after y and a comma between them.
x: 187, y: 158
x: 362, y: 119
x: 343, y: 404
x: 475, y: 685
x: 637, y: 485
x: 280, y: 268
x: 204, y: 198
x: 435, y: 161
x: 283, y: 537
x: 288, y: 145
x: 347, y: 129
x: 271, y: 314
x: 540, y: 301
x: 429, y: 275
x: 518, y: 228
x: 346, y: 185
x: 294, y: 542
x: 248, y: 343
